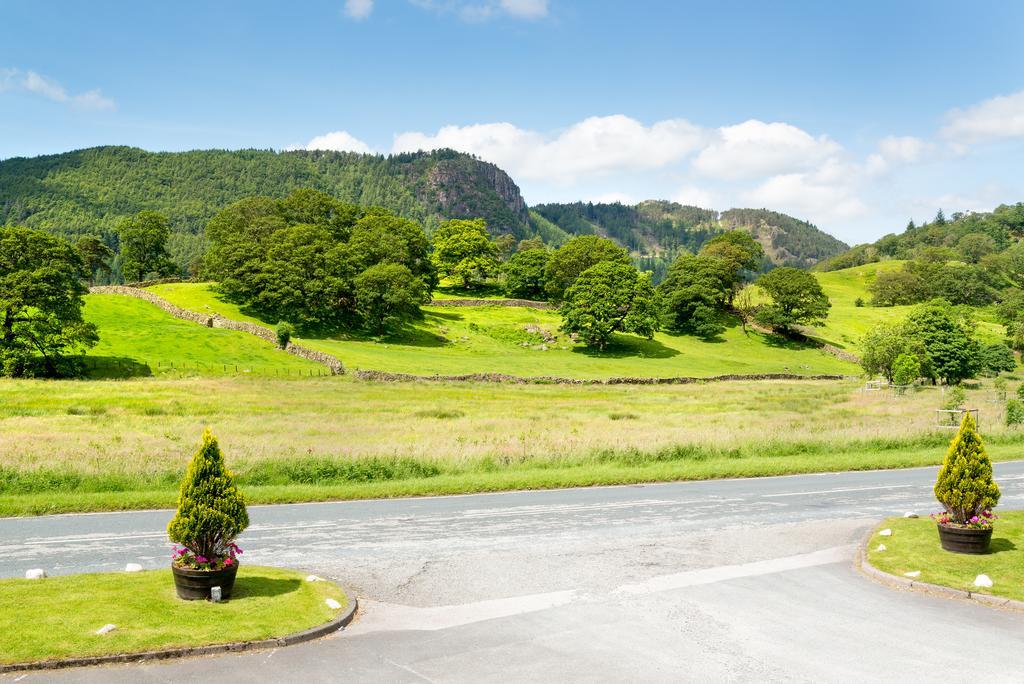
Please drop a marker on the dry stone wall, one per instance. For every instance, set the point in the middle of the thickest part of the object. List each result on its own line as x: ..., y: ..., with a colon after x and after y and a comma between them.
x: 157, y: 300
x: 215, y: 321
x: 552, y: 380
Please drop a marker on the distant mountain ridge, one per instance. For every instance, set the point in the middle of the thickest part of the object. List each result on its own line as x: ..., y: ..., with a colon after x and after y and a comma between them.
x: 660, y: 228
x: 88, y: 191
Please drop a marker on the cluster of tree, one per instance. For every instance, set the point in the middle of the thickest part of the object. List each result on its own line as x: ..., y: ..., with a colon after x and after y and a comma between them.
x: 699, y: 289
x: 68, y: 194
x: 41, y: 289
x: 937, y: 273
x: 937, y: 341
x: 320, y: 263
x: 970, y: 237
x: 603, y: 293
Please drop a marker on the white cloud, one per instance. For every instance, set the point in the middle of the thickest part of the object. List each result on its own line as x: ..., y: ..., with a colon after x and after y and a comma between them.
x: 693, y: 196
x: 358, y: 9
x: 338, y: 141
x: 594, y: 146
x: 485, y: 10
x: 526, y: 9
x: 817, y: 196
x: 755, y: 149
x: 905, y: 149
x: 37, y: 84
x: 992, y: 119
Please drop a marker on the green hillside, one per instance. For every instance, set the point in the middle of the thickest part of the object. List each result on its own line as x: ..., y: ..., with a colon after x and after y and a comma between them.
x: 847, y: 322
x: 88, y: 191
x: 664, y: 229
x: 526, y: 342
x: 137, y: 338
x: 961, y: 235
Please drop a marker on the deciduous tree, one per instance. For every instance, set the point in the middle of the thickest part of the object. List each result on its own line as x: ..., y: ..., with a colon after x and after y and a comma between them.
x: 387, y: 296
x: 143, y: 239
x: 797, y: 299
x: 40, y: 301
x: 463, y: 249
x: 575, y: 257
x: 609, y: 298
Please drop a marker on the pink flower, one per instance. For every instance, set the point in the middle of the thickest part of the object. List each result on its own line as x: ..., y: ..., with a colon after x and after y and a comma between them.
x: 201, y: 559
x: 228, y: 561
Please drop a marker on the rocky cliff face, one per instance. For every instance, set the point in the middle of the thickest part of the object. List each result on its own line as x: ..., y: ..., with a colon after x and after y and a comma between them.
x: 464, y: 187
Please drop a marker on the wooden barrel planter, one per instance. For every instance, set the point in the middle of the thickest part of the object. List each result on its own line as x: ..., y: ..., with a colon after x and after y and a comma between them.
x: 193, y: 585
x: 965, y: 539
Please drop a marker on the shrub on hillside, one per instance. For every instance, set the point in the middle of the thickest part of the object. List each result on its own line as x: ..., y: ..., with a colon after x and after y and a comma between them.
x: 211, y: 510
x: 1015, y: 412
x: 284, y: 334
x: 965, y: 487
x: 906, y: 369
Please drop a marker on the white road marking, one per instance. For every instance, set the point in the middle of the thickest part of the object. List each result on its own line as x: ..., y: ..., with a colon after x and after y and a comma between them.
x: 379, y: 616
x: 691, y: 578
x: 839, y: 491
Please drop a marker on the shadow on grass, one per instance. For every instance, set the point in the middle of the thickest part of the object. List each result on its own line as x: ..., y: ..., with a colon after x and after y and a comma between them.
x: 479, y: 292
x: 252, y: 586
x: 1001, y: 544
x: 114, y: 367
x: 622, y: 347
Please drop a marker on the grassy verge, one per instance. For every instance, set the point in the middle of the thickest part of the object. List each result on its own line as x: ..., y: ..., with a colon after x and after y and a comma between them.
x: 89, y: 446
x: 914, y: 546
x: 58, y: 617
x: 322, y: 479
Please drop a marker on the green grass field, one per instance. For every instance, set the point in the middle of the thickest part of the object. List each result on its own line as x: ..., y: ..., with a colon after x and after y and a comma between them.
x: 914, y: 546
x: 496, y: 339
x: 57, y: 617
x: 847, y: 323
x: 137, y: 338
x: 67, y: 446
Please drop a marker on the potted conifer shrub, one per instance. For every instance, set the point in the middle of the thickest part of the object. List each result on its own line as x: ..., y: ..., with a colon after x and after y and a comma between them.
x: 967, y: 492
x: 211, y: 514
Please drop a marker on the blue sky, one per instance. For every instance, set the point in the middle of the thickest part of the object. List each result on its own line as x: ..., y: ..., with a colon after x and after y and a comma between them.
x: 856, y: 116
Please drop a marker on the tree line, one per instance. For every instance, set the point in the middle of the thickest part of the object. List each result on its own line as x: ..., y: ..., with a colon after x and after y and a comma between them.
x: 320, y: 264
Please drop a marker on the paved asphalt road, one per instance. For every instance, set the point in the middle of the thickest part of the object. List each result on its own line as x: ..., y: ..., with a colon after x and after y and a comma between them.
x: 735, y: 580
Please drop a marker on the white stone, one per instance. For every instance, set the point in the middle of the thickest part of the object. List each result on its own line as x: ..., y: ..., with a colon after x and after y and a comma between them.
x: 914, y: 574
x: 885, y: 533
x: 911, y: 515
x: 35, y: 573
x: 314, y: 578
x: 106, y: 628
x: 216, y: 594
x: 881, y: 547
x: 982, y: 581
x: 133, y: 567
x: 333, y: 605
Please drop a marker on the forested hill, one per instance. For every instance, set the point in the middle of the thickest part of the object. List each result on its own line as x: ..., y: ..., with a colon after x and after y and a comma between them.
x: 660, y: 228
x: 87, y: 191
x: 966, y: 236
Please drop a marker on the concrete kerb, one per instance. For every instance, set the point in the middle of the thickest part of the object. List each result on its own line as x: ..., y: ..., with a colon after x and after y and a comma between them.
x: 880, y: 576
x: 338, y: 623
